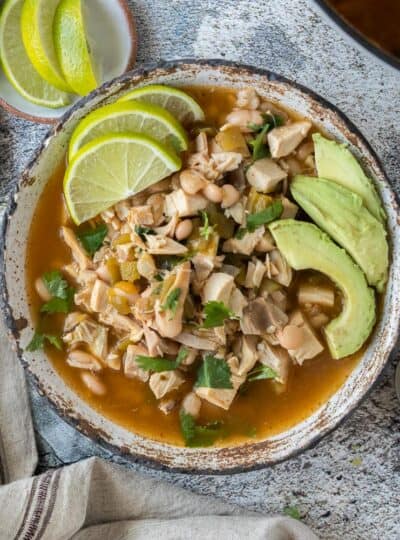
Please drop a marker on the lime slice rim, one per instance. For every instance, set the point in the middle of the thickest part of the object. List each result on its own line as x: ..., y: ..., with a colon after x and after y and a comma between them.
x: 142, y: 91
x: 120, y: 109
x: 172, y: 160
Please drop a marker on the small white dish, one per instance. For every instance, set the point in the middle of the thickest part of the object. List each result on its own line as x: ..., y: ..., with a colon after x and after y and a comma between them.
x: 112, y: 31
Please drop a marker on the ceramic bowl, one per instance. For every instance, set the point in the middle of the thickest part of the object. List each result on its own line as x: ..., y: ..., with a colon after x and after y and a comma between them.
x: 111, y: 18
x: 75, y: 410
x: 354, y: 36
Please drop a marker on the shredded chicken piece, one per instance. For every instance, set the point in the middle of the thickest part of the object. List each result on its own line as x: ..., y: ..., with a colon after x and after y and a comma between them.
x: 99, y: 296
x: 77, y: 250
x: 247, y: 98
x: 245, y: 245
x: 285, y: 139
x: 131, y: 368
x: 165, y: 382
x: 311, y: 346
x: 162, y: 245
x: 140, y: 215
x: 218, y: 288
x: 167, y: 321
x: 276, y: 358
x: 93, y: 334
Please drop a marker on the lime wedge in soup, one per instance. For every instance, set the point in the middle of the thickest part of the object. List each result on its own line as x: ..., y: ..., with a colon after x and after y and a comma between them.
x: 112, y: 168
x: 128, y: 117
x: 183, y: 107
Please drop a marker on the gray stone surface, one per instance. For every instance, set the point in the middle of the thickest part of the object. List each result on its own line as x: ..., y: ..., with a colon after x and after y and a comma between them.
x: 348, y: 487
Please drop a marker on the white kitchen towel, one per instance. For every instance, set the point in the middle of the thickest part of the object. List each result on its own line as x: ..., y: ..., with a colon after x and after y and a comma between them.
x: 96, y: 500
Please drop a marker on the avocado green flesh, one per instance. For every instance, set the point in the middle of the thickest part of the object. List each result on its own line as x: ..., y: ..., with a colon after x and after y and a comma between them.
x: 335, y: 162
x: 305, y: 246
x: 341, y: 213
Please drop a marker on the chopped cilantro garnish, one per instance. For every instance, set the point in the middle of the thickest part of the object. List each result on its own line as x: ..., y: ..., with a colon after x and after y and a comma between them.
x: 55, y: 284
x: 171, y: 303
x: 264, y: 217
x: 258, y: 145
x: 142, y: 231
x: 271, y: 213
x: 39, y: 340
x: 216, y: 313
x: 292, y: 511
x: 261, y: 372
x: 149, y: 363
x: 206, y: 230
x: 92, y: 239
x: 214, y: 373
x: 197, y: 436
x: 62, y: 294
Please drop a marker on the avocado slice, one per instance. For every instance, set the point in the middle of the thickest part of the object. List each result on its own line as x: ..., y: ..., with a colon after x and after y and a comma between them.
x: 341, y: 213
x: 305, y: 246
x: 335, y: 162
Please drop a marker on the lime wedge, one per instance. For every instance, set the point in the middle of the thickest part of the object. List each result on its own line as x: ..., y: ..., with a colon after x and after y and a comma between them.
x: 178, y: 103
x: 17, y: 66
x: 72, y: 47
x: 130, y: 117
x: 112, y: 168
x: 37, y: 34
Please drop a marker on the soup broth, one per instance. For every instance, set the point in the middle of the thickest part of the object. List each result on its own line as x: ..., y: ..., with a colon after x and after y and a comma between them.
x: 260, y: 410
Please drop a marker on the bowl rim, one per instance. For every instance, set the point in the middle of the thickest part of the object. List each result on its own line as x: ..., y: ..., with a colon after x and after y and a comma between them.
x: 12, y: 325
x: 53, y: 120
x: 358, y: 37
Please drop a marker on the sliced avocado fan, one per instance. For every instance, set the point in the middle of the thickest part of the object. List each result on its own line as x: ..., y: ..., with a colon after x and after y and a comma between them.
x: 305, y: 246
x: 341, y: 213
x: 335, y: 162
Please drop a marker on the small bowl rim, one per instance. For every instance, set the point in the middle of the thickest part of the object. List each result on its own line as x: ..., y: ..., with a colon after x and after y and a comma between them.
x: 49, y: 120
x: 358, y: 37
x: 11, y: 324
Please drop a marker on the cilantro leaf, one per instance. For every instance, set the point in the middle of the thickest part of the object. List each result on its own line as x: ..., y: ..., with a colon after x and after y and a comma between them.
x: 256, y: 220
x: 206, y: 230
x: 149, y: 363
x: 258, y: 145
x: 197, y: 436
x: 216, y: 313
x: 271, y: 213
x: 142, y: 231
x: 55, y: 284
x: 274, y: 120
x: 261, y: 372
x: 92, y: 239
x: 60, y: 305
x: 62, y: 294
x: 171, y: 303
x: 292, y: 511
x: 39, y: 340
x: 214, y: 373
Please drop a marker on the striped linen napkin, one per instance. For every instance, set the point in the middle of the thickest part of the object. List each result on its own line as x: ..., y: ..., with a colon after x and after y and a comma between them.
x: 95, y: 500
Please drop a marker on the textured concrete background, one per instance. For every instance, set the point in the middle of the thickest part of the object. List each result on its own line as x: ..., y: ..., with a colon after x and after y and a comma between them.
x: 348, y: 487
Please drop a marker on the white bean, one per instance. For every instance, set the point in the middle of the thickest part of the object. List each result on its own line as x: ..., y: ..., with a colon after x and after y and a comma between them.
x: 230, y: 196
x: 83, y: 360
x: 184, y: 229
x: 93, y: 383
x: 213, y: 193
x: 42, y: 290
x: 192, y: 181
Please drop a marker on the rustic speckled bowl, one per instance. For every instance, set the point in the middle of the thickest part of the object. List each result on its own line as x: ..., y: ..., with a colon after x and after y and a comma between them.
x: 75, y: 410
